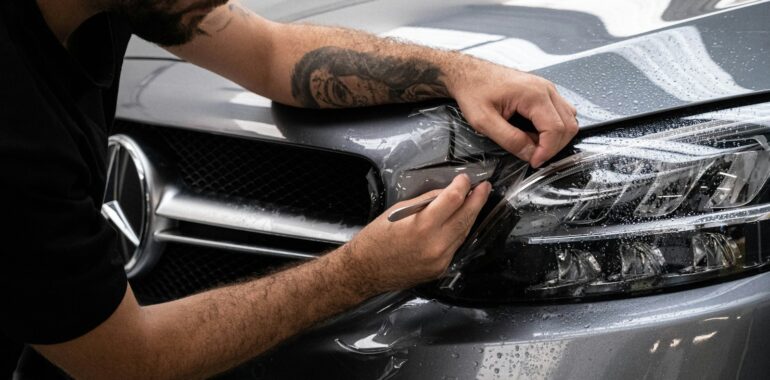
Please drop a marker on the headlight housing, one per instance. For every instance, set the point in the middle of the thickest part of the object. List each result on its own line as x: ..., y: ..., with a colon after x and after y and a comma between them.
x: 639, y: 207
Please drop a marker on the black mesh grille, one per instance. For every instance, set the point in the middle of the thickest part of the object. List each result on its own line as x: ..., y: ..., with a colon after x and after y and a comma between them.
x: 319, y: 184
x: 184, y: 270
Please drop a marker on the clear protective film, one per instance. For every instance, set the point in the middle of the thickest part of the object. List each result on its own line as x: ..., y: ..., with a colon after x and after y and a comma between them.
x: 444, y: 147
x: 636, y: 207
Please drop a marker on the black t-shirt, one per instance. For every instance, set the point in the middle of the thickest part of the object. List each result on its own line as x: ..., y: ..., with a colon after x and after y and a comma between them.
x: 60, y: 272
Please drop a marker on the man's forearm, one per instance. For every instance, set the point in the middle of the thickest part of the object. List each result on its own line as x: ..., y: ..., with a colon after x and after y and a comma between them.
x: 210, y: 332
x: 318, y: 66
x: 327, y: 67
x: 207, y: 333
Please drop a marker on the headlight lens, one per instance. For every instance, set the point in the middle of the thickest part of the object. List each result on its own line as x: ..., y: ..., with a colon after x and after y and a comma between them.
x: 638, y: 208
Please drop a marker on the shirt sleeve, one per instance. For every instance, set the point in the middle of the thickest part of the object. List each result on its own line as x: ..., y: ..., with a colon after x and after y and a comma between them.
x: 61, y: 275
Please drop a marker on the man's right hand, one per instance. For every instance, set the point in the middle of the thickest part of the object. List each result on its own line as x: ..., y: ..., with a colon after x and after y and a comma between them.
x: 397, y: 255
x: 209, y: 332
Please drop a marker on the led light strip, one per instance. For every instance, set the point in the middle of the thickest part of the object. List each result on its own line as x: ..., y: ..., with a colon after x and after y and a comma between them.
x: 692, y: 223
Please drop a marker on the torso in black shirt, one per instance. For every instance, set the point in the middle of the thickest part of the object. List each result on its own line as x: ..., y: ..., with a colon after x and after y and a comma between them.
x: 61, y: 275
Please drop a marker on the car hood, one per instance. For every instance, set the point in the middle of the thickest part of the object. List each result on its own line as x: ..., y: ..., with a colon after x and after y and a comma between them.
x: 613, y: 60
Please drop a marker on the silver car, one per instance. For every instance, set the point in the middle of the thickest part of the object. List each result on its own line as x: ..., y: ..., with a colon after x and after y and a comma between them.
x: 640, y: 251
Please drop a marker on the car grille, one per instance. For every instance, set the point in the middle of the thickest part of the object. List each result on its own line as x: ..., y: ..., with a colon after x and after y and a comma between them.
x: 319, y: 184
x: 184, y: 270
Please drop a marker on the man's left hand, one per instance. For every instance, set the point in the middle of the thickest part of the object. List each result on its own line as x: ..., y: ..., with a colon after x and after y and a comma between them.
x: 489, y: 95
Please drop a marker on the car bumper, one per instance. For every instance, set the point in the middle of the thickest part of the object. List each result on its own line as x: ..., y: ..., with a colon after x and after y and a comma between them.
x: 717, y: 331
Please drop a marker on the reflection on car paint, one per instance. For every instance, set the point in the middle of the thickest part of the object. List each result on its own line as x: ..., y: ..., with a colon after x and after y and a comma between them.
x: 647, y: 14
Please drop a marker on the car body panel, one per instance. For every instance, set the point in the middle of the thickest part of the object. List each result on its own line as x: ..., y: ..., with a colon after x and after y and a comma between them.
x: 615, y: 61
x: 713, y: 332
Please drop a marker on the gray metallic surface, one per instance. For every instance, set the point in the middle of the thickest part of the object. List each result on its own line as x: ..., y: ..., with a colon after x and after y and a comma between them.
x: 174, y: 237
x: 179, y: 205
x: 614, y: 60
x: 715, y: 332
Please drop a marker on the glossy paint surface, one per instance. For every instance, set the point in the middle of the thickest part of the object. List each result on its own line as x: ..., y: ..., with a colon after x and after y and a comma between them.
x: 709, y: 333
x: 616, y: 61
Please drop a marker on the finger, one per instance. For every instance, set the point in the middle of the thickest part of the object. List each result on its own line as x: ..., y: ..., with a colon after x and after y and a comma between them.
x: 548, y: 122
x: 563, y: 101
x: 559, y: 99
x: 567, y: 117
x: 449, y: 200
x: 460, y: 223
x: 510, y: 138
x: 569, y: 109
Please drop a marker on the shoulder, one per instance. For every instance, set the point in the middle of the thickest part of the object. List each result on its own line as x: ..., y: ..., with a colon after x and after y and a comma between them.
x: 24, y: 101
x: 32, y: 133
x: 18, y: 87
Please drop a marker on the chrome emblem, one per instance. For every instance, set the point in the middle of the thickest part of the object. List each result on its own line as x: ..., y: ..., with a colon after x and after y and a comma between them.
x: 126, y: 203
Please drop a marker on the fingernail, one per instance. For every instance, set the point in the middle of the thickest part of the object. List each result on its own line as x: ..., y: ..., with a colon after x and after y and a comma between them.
x: 527, y: 152
x: 537, y: 164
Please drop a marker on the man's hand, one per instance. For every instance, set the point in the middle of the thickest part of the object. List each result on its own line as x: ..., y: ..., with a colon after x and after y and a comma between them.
x: 201, y: 335
x: 489, y: 95
x: 397, y: 255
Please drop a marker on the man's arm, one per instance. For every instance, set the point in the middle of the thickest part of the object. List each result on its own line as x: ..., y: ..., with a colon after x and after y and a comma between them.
x: 207, y: 333
x: 323, y: 67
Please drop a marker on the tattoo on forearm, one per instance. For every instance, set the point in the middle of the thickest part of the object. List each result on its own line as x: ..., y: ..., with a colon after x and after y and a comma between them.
x: 337, y: 77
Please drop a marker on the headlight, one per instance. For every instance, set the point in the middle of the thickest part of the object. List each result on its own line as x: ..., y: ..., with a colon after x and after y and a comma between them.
x: 637, y: 208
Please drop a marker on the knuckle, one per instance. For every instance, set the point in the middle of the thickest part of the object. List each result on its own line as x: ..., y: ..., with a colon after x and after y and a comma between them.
x: 559, y: 126
x: 480, y: 120
x: 574, y: 128
x: 455, y: 196
x: 435, y: 251
x: 514, y: 144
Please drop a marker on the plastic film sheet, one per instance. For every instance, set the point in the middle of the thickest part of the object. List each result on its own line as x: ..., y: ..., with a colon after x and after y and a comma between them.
x: 444, y: 129
x: 446, y: 146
